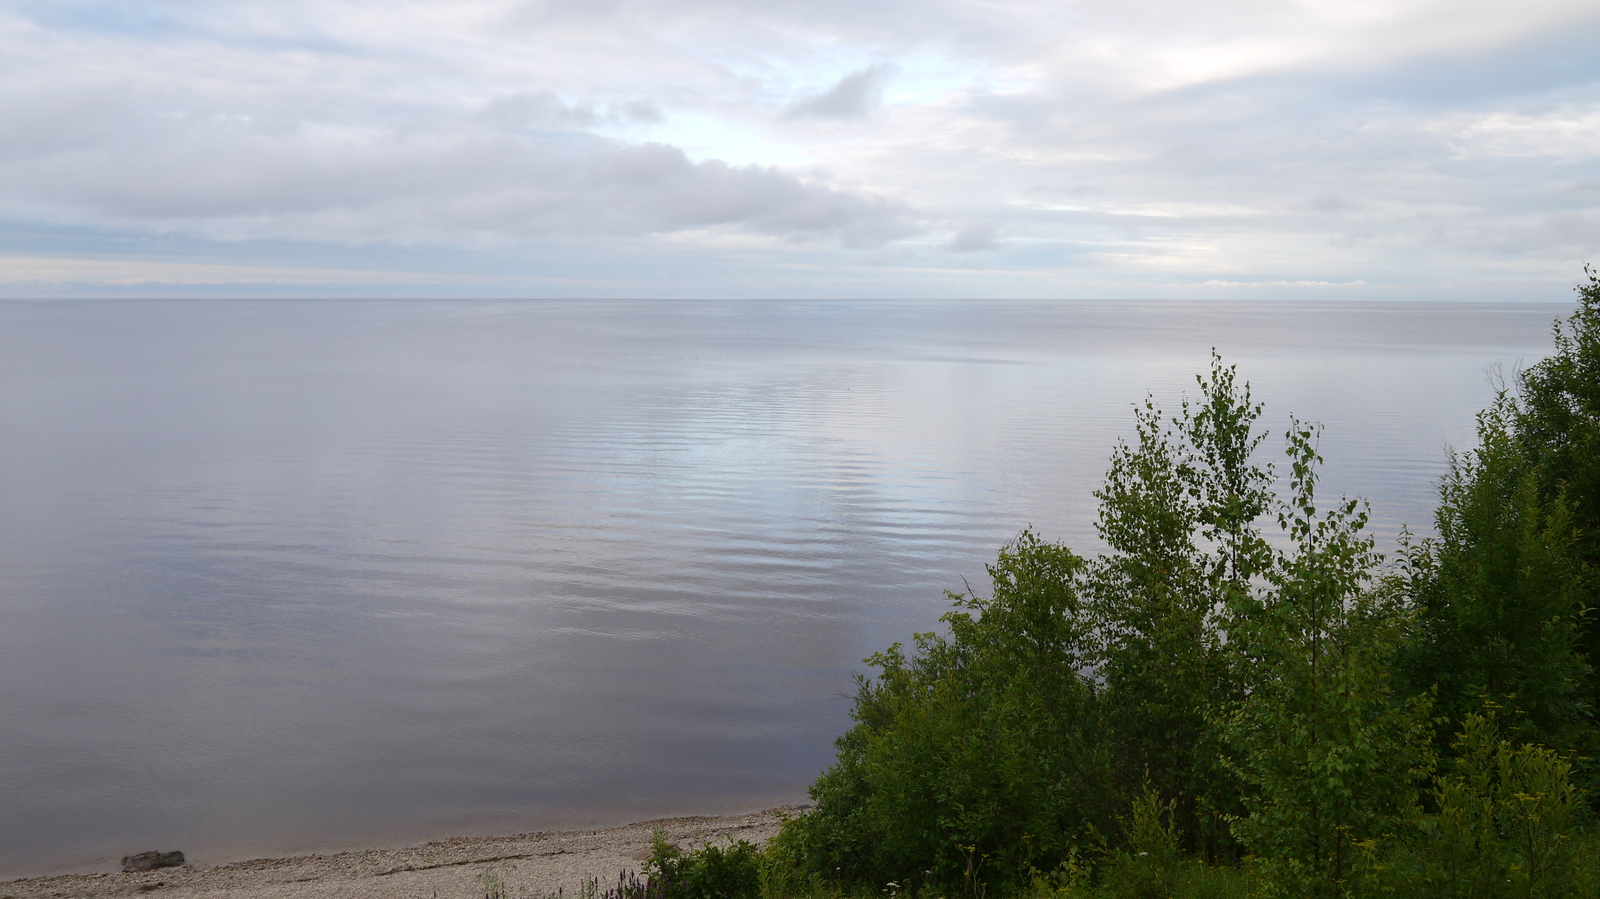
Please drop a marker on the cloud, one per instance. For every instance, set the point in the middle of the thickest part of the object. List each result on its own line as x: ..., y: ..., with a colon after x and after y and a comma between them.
x: 538, y: 110
x: 234, y: 180
x: 855, y: 96
x: 1401, y: 142
x: 542, y: 109
x: 66, y: 270
x: 1268, y: 284
x: 974, y: 237
x: 655, y: 188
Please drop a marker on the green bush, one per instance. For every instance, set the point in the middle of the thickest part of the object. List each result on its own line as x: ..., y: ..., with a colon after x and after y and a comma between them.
x: 975, y: 758
x: 1148, y: 863
x: 710, y: 872
x: 1505, y: 821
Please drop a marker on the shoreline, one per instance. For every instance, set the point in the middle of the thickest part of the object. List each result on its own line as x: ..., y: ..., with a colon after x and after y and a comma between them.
x: 531, y: 865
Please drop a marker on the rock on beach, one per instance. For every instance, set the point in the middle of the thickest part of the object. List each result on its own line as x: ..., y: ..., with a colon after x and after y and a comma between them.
x: 149, y: 861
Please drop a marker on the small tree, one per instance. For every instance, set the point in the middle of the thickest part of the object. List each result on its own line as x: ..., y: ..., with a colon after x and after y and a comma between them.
x: 1327, y: 755
x: 1179, y: 511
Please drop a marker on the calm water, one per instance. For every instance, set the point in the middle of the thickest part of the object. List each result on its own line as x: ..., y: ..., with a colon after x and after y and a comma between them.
x: 283, y: 576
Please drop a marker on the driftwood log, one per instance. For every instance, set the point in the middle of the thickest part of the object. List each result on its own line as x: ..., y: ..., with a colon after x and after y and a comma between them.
x: 149, y: 861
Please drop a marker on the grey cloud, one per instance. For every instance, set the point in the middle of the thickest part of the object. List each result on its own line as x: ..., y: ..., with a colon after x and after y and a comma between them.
x: 657, y: 188
x: 1572, y: 230
x: 1352, y: 239
x: 974, y: 237
x: 1565, y: 236
x: 232, y: 183
x: 638, y: 111
x: 1290, y: 156
x: 1332, y: 204
x: 856, y: 96
x: 540, y: 109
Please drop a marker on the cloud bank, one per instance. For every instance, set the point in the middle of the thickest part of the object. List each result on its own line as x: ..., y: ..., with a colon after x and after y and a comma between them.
x: 704, y: 147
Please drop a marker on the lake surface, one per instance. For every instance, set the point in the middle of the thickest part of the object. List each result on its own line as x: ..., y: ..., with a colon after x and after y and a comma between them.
x: 295, y: 576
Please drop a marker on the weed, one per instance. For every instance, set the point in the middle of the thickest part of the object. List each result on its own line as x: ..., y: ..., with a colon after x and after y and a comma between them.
x: 494, y: 884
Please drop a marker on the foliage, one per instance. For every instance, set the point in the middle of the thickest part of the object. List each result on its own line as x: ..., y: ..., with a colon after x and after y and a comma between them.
x: 710, y: 872
x: 1147, y: 864
x: 1503, y: 592
x: 1500, y: 594
x: 1327, y: 756
x: 1505, y: 820
x: 978, y: 756
x: 1178, y: 512
x: 1556, y: 424
x: 1506, y: 825
x: 1225, y: 668
x: 1557, y: 421
x: 629, y: 886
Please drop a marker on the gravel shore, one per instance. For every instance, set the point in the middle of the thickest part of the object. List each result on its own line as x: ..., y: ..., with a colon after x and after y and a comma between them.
x: 531, y: 865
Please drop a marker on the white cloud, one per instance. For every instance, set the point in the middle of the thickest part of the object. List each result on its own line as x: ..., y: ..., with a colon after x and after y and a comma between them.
x: 1414, y: 141
x: 1571, y: 131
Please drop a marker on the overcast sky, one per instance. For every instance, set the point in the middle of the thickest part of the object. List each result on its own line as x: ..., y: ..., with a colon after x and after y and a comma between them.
x: 986, y: 148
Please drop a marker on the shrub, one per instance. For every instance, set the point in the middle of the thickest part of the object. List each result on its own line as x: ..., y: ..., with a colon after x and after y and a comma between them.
x: 710, y: 872
x: 1505, y: 820
x: 978, y: 756
x: 1147, y: 865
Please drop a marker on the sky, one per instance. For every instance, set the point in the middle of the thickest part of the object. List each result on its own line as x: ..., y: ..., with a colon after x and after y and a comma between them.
x: 1403, y: 149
